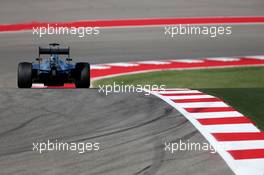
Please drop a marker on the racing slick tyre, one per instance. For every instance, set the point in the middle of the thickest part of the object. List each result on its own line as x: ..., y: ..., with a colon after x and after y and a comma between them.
x: 82, y: 75
x: 24, y: 77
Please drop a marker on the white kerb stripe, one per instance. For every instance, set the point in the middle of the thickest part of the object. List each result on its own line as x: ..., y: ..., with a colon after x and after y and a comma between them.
x: 249, y: 166
x: 231, y: 128
x: 179, y: 92
x: 122, y: 64
x: 240, y: 145
x: 201, y: 115
x: 38, y: 85
x: 188, y: 61
x: 189, y: 97
x: 259, y: 57
x: 202, y: 104
x: 154, y: 62
x: 99, y: 67
x: 175, y: 89
x: 224, y: 59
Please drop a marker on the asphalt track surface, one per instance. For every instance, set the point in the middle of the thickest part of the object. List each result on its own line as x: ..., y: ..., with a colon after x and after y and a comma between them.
x: 13, y: 11
x: 131, y: 128
x: 129, y: 44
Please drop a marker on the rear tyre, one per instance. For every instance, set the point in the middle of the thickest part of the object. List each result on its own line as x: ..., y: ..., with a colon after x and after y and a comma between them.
x: 24, y: 77
x: 82, y: 75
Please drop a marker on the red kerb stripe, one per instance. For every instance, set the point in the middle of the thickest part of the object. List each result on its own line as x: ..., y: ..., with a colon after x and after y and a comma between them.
x: 225, y: 120
x: 239, y: 136
x: 198, y: 100
x: 247, y: 154
x: 212, y: 109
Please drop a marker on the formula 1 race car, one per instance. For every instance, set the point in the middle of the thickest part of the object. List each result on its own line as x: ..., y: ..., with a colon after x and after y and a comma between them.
x: 54, y: 70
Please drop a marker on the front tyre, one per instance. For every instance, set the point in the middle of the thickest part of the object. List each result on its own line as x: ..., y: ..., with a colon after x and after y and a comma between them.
x: 24, y: 77
x: 82, y: 75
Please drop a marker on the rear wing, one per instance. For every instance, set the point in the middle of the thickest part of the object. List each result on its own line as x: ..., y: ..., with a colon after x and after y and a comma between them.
x: 50, y: 51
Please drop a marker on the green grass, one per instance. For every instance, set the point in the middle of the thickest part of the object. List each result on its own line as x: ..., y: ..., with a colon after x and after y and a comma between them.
x: 247, y: 77
x: 248, y: 101
x: 242, y: 88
